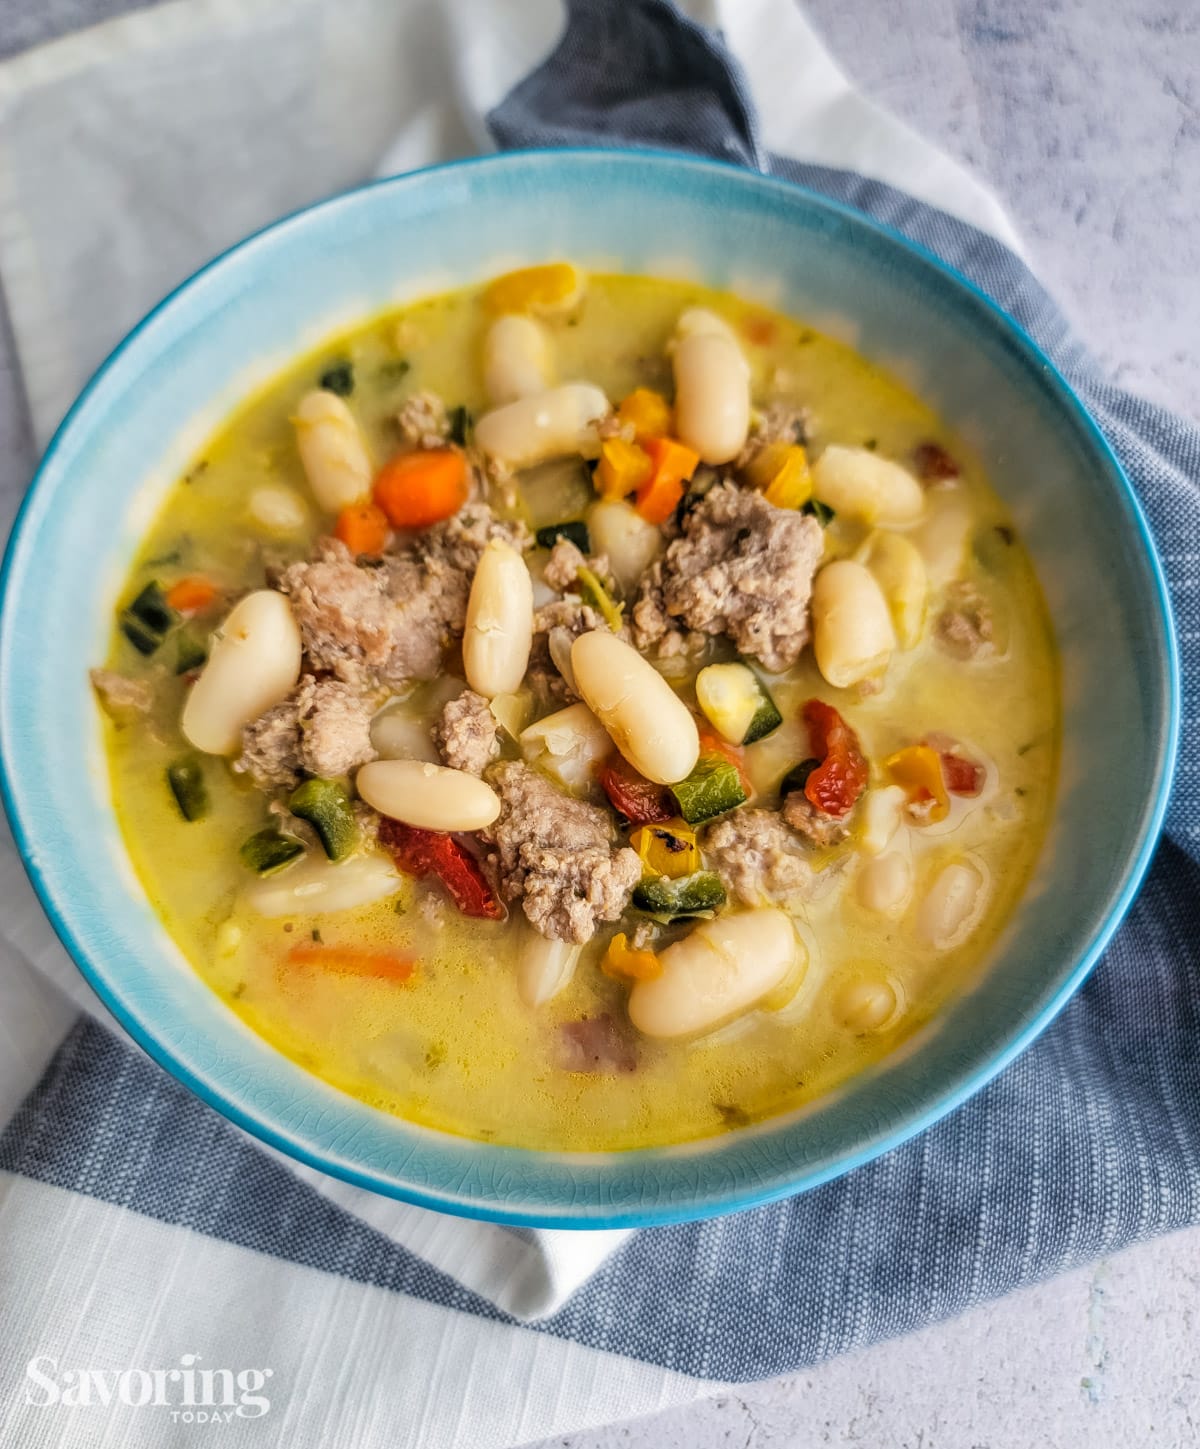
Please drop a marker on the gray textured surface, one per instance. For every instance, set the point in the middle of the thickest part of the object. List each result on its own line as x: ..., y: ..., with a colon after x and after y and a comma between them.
x: 1085, y: 116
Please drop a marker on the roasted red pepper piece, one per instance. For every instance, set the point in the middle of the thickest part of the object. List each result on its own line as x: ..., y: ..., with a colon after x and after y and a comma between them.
x: 841, y: 777
x: 432, y: 852
x: 632, y: 795
x: 961, y: 776
x: 934, y: 464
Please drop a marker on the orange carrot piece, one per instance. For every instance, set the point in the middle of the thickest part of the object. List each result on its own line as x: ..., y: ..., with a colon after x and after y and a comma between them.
x: 362, y: 527
x: 351, y: 961
x: 191, y: 596
x: 417, y: 489
x: 672, y: 464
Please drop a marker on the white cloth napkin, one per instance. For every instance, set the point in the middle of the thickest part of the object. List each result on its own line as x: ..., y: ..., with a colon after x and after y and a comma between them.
x: 131, y: 153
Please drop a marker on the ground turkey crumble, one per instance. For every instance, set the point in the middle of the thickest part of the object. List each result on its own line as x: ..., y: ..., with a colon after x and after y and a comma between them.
x: 757, y: 857
x: 965, y: 627
x: 390, y: 620
x: 741, y: 567
x: 466, y: 733
x: 322, y: 728
x: 556, y: 855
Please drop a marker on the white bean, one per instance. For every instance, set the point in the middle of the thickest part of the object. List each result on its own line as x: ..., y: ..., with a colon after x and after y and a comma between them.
x: 432, y: 797
x: 332, y: 450
x: 544, y: 425
x: 942, y: 538
x: 870, y: 1002
x: 723, y: 967
x: 544, y: 966
x: 859, y: 484
x: 712, y: 387
x: 648, y: 722
x: 629, y: 543
x: 317, y: 885
x: 499, y: 629
x: 882, y: 814
x: 949, y: 910
x: 516, y: 359
x: 253, y: 663
x: 899, y: 571
x: 277, y: 509
x: 567, y: 745
x: 884, y: 885
x: 853, y: 637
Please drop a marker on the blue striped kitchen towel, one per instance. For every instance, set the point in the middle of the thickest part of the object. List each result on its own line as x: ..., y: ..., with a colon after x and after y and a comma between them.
x: 139, y: 1230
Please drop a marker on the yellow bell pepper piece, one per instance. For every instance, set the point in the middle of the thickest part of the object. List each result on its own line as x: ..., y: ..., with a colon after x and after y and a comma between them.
x: 780, y: 471
x: 918, y: 769
x: 649, y: 413
x: 624, y: 962
x: 669, y: 850
x: 622, y: 469
x: 554, y: 287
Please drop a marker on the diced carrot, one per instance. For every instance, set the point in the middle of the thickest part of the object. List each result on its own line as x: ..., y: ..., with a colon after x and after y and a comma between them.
x: 672, y: 464
x: 423, y: 487
x: 192, y: 596
x: 362, y: 527
x: 352, y: 961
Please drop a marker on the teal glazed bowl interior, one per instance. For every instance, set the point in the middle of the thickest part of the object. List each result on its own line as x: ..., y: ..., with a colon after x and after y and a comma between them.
x: 243, y: 317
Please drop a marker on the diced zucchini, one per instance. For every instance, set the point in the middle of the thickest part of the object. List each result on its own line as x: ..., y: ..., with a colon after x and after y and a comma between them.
x: 820, y: 511
x: 338, y: 378
x: 691, y: 895
x: 147, y: 621
x: 576, y: 531
x: 326, y: 807
x: 736, y: 703
x: 460, y: 425
x: 713, y: 787
x: 186, y: 779
x: 192, y: 652
x: 593, y: 592
x: 797, y: 777
x: 269, y: 850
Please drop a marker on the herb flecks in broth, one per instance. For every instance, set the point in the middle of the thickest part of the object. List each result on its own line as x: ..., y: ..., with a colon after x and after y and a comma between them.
x: 583, y: 712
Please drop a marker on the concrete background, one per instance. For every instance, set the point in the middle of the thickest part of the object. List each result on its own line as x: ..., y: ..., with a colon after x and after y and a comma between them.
x: 1085, y: 116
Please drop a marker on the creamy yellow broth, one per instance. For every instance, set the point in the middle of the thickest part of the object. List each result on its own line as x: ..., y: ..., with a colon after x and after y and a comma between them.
x: 454, y: 1047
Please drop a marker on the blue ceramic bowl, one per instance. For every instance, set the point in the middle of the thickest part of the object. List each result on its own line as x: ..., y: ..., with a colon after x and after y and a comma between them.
x: 248, y: 313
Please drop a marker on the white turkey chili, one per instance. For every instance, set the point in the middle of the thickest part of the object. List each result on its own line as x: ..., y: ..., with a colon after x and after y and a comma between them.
x: 583, y: 712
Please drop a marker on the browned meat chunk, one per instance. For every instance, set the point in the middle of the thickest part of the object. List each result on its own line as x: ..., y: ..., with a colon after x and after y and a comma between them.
x: 595, y: 1044
x: 814, y: 825
x: 557, y: 856
x: 965, y: 627
x: 123, y: 698
x: 391, y: 621
x: 322, y: 728
x: 561, y: 622
x: 757, y: 857
x: 466, y: 733
x: 780, y: 422
x: 422, y: 420
x: 741, y: 567
x: 566, y: 559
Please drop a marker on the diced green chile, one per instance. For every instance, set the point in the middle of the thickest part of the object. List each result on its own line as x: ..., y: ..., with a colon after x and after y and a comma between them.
x: 192, y: 651
x: 326, y: 807
x: 575, y: 531
x: 797, y: 777
x: 593, y: 592
x: 185, y: 776
x: 690, y: 895
x: 148, y: 619
x: 713, y: 787
x: 269, y: 850
x: 338, y: 378
x: 460, y: 425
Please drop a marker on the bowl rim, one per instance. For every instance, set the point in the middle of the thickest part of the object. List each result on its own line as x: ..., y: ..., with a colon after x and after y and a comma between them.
x: 784, y: 1182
